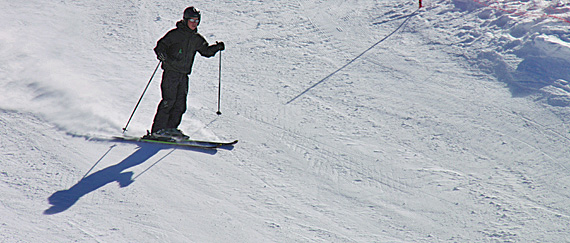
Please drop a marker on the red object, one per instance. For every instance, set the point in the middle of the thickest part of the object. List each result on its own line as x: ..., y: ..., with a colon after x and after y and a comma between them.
x: 420, y: 3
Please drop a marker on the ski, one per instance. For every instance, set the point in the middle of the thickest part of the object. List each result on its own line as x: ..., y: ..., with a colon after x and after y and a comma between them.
x: 216, y: 143
x: 183, y: 142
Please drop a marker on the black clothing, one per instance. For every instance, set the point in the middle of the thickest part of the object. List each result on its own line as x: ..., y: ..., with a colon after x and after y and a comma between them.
x: 174, y: 89
x: 177, y: 50
x: 191, y: 12
x: 180, y: 46
x: 220, y: 45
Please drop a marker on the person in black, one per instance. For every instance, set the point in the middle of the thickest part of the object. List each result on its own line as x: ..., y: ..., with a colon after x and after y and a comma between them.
x: 176, y: 50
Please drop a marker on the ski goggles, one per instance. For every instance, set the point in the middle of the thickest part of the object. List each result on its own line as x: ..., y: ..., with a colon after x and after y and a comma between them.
x: 194, y: 20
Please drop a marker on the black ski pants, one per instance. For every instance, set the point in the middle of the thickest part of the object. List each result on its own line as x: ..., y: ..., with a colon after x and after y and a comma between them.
x: 174, y: 89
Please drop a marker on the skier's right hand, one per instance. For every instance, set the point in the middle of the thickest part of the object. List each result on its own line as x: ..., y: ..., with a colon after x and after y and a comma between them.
x: 161, y: 56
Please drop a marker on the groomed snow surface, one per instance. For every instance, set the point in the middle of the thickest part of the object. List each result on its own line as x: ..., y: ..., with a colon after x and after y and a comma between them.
x: 454, y: 128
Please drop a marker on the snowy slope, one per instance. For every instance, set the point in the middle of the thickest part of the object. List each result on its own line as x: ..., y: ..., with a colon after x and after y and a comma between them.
x: 453, y: 129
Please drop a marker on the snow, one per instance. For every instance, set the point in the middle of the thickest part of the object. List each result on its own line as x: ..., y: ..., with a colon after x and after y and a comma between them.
x: 452, y: 129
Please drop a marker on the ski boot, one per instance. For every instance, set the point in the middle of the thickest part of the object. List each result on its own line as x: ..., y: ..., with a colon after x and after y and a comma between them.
x: 168, y: 134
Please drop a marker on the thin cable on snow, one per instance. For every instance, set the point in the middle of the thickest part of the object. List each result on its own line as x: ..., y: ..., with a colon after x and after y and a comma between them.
x: 354, y: 59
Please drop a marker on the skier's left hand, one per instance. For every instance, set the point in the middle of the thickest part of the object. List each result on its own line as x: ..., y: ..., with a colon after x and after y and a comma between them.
x: 220, y: 45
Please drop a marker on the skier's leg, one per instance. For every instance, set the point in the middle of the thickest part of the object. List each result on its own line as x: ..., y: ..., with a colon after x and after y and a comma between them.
x: 168, y: 89
x: 180, y: 106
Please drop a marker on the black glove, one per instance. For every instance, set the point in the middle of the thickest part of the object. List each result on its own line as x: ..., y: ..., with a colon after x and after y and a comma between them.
x: 220, y: 45
x: 161, y: 56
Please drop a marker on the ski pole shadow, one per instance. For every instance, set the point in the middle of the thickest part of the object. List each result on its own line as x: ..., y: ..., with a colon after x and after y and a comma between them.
x: 65, y: 199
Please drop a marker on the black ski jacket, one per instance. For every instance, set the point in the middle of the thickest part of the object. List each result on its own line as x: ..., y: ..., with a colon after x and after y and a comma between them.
x: 180, y: 46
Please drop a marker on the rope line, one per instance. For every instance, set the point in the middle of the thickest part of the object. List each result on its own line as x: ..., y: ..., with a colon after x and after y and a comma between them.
x: 354, y: 59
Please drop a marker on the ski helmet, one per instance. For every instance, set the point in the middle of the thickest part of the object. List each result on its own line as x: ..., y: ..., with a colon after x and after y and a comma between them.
x: 191, y: 12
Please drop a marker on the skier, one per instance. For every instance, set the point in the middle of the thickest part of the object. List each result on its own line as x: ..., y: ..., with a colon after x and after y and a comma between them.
x: 176, y: 50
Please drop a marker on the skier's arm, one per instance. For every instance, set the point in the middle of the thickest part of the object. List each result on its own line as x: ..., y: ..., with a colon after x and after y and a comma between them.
x: 208, y: 50
x: 162, y: 46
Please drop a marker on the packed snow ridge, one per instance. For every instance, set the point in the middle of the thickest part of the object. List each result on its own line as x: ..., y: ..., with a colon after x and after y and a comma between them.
x: 526, y: 44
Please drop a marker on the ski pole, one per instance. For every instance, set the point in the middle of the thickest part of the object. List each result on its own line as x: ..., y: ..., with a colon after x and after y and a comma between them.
x: 219, y: 84
x: 136, y: 106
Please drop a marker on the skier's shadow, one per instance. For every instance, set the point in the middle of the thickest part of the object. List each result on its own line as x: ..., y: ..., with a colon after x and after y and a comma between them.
x: 63, y: 200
